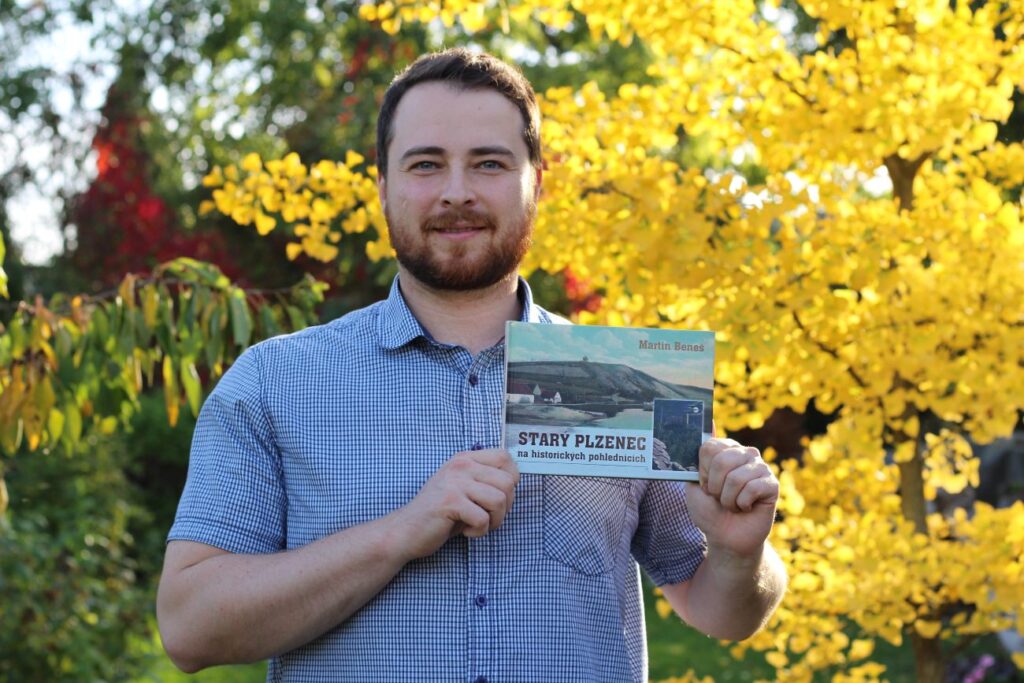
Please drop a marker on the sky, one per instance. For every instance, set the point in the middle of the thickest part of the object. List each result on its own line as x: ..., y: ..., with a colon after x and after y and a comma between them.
x: 34, y: 211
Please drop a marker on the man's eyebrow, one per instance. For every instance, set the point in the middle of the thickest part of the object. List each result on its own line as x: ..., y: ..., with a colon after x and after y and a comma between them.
x: 491, y: 150
x: 423, y: 150
x: 434, y: 150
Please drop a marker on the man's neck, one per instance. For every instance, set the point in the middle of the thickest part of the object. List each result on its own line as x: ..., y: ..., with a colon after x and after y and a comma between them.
x: 474, y: 320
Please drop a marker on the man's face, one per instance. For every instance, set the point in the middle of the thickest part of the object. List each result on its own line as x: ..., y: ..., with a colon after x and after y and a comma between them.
x: 460, y: 194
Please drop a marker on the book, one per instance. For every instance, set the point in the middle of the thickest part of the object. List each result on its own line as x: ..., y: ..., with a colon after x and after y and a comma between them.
x: 607, y: 401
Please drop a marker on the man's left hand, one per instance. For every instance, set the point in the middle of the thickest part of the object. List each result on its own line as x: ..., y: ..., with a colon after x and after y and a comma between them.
x: 734, y: 505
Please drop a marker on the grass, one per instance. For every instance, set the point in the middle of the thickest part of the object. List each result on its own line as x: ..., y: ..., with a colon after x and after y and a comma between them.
x: 673, y: 649
x: 162, y: 670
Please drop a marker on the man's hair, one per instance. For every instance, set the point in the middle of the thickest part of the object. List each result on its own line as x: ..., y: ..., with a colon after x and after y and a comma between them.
x: 463, y: 70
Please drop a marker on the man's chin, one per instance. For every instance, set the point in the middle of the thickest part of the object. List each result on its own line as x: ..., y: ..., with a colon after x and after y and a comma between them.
x: 457, y: 277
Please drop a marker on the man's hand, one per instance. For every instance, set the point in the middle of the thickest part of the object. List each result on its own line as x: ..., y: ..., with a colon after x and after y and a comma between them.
x: 470, y: 494
x: 742, y: 580
x: 735, y: 503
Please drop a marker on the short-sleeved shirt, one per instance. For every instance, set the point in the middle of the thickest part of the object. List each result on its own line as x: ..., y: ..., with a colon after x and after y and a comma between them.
x: 339, y: 424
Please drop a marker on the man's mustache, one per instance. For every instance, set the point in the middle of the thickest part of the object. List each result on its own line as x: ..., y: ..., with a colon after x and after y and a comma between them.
x: 459, y: 219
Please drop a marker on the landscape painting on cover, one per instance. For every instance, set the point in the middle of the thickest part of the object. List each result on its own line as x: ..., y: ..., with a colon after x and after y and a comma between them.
x: 608, y: 401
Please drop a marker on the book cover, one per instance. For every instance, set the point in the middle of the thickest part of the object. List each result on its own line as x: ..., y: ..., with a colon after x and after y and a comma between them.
x: 607, y: 401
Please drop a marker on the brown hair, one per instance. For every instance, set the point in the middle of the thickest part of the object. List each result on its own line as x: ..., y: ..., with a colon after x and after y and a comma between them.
x: 463, y: 70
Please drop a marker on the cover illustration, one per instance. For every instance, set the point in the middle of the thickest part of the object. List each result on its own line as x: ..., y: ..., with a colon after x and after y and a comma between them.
x: 607, y: 401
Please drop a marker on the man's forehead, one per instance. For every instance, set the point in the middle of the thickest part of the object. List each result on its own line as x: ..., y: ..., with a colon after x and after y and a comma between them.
x: 438, y: 114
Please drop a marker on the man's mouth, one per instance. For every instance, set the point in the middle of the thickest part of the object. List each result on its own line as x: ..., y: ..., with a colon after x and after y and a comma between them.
x: 459, y: 223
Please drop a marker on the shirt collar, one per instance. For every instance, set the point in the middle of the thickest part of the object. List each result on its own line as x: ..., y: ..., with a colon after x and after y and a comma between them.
x: 397, y: 326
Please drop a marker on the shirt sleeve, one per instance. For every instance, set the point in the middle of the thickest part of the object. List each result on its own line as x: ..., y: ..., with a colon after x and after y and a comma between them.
x: 667, y: 544
x: 234, y: 497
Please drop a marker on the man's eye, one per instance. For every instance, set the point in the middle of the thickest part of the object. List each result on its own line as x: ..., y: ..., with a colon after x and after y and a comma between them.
x: 491, y: 165
x: 424, y: 166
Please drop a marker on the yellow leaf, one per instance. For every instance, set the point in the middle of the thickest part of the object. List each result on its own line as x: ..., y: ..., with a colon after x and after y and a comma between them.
x: 214, y: 178
x: 353, y: 158
x: 473, y: 18
x: 252, y: 163
x: 206, y: 206
x: 927, y: 629
x: 55, y: 424
x: 292, y: 250
x: 805, y: 581
x: 171, y: 398
x: 264, y: 223
x: 861, y: 649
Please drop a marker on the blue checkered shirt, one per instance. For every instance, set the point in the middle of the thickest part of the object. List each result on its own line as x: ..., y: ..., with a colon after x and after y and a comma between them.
x: 342, y: 423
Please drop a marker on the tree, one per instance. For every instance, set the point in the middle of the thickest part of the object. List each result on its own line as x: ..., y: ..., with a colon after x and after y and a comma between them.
x: 121, y: 224
x: 900, y: 315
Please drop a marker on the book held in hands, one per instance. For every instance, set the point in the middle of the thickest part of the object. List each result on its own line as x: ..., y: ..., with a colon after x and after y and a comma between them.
x: 607, y: 401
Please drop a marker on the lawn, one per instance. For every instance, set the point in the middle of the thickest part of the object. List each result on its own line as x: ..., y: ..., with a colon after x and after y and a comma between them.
x: 673, y: 649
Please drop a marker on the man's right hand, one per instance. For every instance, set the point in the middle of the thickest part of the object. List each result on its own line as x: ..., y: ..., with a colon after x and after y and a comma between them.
x: 469, y: 495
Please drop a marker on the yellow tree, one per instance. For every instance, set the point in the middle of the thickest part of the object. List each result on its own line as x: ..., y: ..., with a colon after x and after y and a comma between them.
x: 902, y: 313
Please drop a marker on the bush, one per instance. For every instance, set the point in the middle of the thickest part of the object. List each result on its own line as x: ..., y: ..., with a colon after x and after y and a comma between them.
x: 68, y: 582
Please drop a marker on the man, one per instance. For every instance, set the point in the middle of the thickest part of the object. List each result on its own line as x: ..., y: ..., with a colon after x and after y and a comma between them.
x: 348, y: 513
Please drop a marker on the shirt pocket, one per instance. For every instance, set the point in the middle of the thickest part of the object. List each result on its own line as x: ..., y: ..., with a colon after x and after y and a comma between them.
x: 583, y: 520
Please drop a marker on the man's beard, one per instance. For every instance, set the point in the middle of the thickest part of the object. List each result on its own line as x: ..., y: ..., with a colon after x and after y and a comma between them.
x: 453, y: 271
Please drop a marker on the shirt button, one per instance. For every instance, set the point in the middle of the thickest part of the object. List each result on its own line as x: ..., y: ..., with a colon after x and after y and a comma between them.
x: 480, y: 601
x: 480, y: 679
x: 478, y: 446
x: 473, y: 379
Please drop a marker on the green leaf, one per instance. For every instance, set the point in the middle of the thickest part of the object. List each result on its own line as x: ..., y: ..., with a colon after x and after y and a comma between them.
x: 322, y: 75
x: 55, y: 424
x: 16, y: 331
x: 215, y: 343
x: 241, y: 321
x: 268, y: 322
x: 73, y: 423
x: 64, y: 342
x: 193, y: 387
x: 100, y: 325
x: 11, y: 434
x: 150, y: 304
x: 187, y: 304
x: 43, y: 398
x: 296, y: 318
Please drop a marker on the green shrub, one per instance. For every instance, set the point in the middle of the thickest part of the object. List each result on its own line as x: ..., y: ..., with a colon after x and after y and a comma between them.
x: 68, y: 583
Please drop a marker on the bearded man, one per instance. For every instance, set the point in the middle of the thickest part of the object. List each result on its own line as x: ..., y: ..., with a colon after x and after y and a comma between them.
x: 348, y: 513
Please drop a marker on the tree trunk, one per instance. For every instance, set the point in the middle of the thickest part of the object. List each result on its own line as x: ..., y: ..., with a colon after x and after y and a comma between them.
x: 902, y: 173
x: 928, y: 660
x: 928, y: 657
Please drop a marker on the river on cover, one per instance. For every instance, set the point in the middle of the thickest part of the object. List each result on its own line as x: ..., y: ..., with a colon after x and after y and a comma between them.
x: 631, y: 418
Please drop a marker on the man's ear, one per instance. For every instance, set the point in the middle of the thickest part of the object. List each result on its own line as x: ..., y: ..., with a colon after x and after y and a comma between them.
x: 537, y: 182
x: 382, y: 191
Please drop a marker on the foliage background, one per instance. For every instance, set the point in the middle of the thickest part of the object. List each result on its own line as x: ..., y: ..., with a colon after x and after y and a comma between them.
x: 834, y: 187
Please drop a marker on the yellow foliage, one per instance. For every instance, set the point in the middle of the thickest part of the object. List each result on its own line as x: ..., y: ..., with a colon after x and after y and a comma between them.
x: 317, y: 196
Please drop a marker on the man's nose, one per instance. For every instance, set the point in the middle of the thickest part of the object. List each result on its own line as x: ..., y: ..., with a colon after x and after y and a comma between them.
x: 458, y: 191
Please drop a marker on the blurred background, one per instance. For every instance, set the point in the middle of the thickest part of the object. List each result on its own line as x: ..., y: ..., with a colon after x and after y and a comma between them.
x: 112, y: 113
